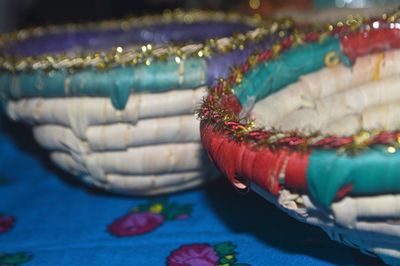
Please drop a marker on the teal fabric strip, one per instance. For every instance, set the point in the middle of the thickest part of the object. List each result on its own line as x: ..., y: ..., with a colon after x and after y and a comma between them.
x: 116, y: 83
x: 270, y: 77
x: 375, y: 171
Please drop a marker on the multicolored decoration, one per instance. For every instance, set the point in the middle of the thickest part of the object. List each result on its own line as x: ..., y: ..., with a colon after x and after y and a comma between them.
x: 222, y: 254
x: 319, y: 51
x: 179, y: 66
x: 6, y: 223
x: 345, y: 183
x: 147, y: 217
x: 14, y: 259
x: 107, y: 99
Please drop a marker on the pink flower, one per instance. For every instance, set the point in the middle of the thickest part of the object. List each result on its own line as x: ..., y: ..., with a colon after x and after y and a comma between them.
x: 136, y: 224
x: 6, y: 222
x: 194, y: 255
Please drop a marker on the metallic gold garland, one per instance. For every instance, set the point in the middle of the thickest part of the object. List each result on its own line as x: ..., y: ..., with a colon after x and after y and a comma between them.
x: 168, y: 16
x: 147, y: 53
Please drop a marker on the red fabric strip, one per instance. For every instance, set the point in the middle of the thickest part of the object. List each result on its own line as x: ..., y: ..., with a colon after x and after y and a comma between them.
x: 262, y: 166
x: 361, y: 43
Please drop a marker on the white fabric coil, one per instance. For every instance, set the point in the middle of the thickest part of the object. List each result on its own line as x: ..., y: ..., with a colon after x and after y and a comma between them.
x: 371, y: 224
x: 338, y: 100
x: 151, y: 147
x: 341, y: 100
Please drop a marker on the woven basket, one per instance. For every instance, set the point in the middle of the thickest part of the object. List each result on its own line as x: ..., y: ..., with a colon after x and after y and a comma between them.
x: 312, y: 125
x: 113, y: 102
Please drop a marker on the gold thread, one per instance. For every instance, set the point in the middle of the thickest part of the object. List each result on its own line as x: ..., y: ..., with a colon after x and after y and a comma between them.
x: 331, y: 59
x: 282, y: 172
x: 377, y: 67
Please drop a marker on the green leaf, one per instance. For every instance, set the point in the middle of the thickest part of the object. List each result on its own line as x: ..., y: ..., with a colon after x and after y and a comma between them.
x: 223, y: 261
x: 225, y: 248
x: 169, y: 207
x: 227, y: 259
x: 173, y: 210
x: 141, y: 208
x: 169, y: 216
x: 15, y: 259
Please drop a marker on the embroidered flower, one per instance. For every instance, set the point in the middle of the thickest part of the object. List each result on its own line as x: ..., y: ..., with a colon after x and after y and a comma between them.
x: 146, y: 218
x: 6, y: 223
x: 222, y: 254
x: 196, y: 254
x: 14, y: 259
x: 136, y: 224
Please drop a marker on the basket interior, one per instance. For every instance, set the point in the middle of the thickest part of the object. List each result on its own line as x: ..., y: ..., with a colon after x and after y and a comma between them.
x: 83, y: 40
x: 338, y: 100
x: 318, y: 88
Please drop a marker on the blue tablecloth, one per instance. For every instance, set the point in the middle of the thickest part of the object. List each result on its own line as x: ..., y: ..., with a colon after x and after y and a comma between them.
x: 47, y: 218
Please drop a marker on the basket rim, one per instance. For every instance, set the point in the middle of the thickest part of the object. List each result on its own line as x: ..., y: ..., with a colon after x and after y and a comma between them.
x: 222, y: 110
x: 119, y: 56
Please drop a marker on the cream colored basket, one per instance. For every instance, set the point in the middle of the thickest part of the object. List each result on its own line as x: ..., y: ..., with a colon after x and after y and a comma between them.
x: 113, y: 102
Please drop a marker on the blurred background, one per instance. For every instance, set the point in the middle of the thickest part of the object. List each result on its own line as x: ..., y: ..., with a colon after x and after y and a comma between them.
x: 25, y: 13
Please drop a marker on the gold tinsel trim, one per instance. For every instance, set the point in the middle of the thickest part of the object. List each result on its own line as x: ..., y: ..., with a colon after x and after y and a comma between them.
x: 146, y: 53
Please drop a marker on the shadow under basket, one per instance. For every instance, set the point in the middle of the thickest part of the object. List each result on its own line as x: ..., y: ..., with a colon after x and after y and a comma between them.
x: 113, y: 101
x: 312, y: 125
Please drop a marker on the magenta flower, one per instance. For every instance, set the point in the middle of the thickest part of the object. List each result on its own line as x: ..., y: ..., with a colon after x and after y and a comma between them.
x: 194, y: 255
x: 136, y: 224
x: 6, y: 223
x: 147, y: 217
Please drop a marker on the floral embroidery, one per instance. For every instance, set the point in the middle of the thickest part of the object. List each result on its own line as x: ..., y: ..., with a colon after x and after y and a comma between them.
x: 6, y: 223
x: 222, y: 254
x: 146, y: 218
x: 14, y: 259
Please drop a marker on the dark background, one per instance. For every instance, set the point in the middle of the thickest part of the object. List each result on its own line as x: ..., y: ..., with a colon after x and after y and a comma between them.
x: 25, y: 13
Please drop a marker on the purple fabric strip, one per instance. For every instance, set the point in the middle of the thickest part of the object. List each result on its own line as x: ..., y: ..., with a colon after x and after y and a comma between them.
x: 95, y: 40
x: 219, y: 66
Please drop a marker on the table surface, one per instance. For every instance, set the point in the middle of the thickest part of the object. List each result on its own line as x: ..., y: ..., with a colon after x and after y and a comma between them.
x: 48, y: 218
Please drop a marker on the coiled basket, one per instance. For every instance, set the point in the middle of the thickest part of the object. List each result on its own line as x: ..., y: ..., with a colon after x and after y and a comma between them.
x: 113, y: 101
x: 313, y: 125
